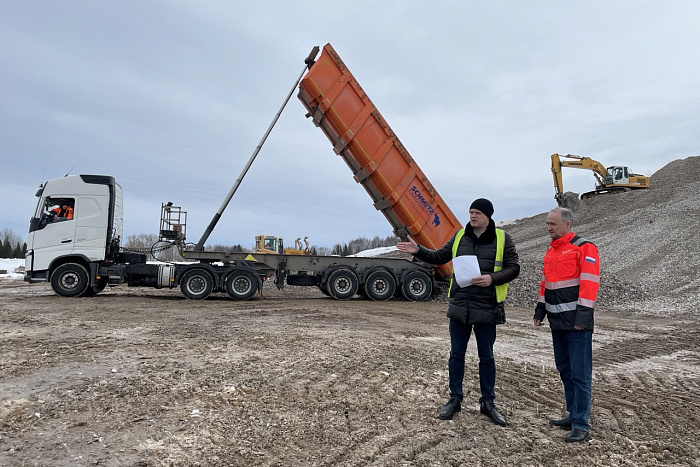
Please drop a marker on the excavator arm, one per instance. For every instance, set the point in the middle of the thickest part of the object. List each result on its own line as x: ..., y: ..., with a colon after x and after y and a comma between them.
x: 556, y: 174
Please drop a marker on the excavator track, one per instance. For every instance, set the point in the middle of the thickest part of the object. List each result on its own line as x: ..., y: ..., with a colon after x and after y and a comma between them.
x: 607, y: 191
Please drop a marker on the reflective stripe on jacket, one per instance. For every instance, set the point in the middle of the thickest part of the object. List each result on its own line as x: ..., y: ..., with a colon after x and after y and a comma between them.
x: 570, y: 282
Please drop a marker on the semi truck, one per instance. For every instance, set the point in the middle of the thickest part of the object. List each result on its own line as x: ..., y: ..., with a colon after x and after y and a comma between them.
x: 81, y: 256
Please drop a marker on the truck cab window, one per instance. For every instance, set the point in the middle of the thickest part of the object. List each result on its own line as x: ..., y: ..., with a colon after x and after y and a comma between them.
x: 59, y: 209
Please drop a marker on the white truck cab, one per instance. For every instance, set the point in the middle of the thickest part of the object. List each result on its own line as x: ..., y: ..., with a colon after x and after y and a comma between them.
x: 78, y: 218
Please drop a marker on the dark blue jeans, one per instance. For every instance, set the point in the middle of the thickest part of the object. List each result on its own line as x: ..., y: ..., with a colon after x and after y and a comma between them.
x: 459, y: 338
x: 573, y: 356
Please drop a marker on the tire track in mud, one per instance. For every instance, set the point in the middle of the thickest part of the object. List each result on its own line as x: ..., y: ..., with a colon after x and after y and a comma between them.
x: 622, y: 351
x: 644, y: 389
x: 299, y: 380
x: 647, y: 389
x: 391, y: 449
x: 377, y: 432
x: 525, y: 400
x: 528, y: 395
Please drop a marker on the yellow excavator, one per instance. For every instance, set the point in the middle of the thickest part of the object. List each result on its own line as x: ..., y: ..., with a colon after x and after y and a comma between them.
x: 275, y: 244
x: 614, y: 179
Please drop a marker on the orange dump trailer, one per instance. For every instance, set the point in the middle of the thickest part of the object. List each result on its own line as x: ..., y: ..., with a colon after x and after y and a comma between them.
x: 360, y: 135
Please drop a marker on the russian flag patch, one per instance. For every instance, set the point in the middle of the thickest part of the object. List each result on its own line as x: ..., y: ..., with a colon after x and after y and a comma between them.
x: 590, y: 260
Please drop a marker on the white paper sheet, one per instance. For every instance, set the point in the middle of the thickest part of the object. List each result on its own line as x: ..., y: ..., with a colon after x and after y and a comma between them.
x: 466, y: 268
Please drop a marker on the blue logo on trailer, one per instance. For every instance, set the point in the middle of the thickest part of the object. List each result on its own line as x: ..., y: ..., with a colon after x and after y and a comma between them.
x: 415, y: 192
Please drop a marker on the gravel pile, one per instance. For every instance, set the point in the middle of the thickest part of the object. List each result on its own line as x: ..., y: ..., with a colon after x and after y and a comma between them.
x: 648, y: 242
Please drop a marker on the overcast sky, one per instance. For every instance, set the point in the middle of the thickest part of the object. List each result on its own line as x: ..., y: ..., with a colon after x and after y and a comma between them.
x: 171, y: 97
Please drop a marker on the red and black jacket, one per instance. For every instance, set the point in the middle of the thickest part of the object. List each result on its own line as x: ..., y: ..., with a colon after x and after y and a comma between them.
x: 569, y: 285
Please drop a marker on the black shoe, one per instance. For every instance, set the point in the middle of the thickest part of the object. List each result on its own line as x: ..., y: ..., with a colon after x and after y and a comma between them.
x: 450, y: 409
x: 577, y: 436
x: 564, y: 423
x: 490, y: 410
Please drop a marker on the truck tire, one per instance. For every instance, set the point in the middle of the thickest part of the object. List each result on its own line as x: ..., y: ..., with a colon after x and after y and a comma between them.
x: 380, y: 285
x: 342, y: 284
x: 196, y: 284
x: 70, y: 280
x: 241, y: 285
x: 416, y: 286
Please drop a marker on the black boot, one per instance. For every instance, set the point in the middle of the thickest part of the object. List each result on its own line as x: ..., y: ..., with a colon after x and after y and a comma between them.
x: 489, y: 409
x: 577, y: 436
x: 563, y: 423
x: 450, y: 409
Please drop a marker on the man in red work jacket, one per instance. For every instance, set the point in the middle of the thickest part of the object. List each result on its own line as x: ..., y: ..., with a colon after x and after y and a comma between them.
x: 568, y: 292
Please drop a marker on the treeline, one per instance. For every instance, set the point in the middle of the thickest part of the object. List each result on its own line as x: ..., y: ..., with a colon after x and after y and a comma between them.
x: 12, y: 245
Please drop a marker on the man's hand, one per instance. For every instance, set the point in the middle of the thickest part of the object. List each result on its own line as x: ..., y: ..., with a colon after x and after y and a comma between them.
x: 482, y: 281
x: 578, y: 328
x: 408, y: 247
x: 537, y: 322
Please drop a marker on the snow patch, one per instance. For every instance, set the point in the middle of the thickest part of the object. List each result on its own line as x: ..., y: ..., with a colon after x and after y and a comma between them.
x: 374, y: 252
x: 11, y: 265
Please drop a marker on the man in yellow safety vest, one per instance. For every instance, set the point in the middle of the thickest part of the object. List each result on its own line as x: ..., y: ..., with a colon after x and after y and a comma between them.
x: 477, y: 304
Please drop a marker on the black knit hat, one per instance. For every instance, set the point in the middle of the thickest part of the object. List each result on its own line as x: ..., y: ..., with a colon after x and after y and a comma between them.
x: 483, y: 205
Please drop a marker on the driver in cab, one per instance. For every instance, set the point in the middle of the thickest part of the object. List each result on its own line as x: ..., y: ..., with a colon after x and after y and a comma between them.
x: 64, y: 212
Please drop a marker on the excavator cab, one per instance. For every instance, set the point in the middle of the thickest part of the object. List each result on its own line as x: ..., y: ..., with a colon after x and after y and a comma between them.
x: 269, y: 244
x: 275, y: 244
x: 617, y: 175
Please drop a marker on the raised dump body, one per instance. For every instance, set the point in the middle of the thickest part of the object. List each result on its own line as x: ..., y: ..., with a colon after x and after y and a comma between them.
x: 360, y: 135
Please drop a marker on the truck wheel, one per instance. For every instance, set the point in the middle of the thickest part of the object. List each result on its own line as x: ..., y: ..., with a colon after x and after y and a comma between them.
x: 70, y: 280
x: 241, y: 285
x: 342, y: 284
x: 416, y: 286
x: 380, y: 285
x: 196, y: 284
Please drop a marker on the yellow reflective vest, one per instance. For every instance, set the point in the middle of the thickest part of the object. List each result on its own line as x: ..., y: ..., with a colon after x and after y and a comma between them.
x: 501, y: 290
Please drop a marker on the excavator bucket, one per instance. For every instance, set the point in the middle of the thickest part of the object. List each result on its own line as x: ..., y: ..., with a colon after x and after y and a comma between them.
x: 568, y: 199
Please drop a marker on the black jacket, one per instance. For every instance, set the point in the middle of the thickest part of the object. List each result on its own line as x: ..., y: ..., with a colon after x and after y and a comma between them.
x: 473, y: 304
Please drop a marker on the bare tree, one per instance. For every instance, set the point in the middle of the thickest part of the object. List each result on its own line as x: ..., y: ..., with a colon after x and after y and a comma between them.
x: 321, y: 250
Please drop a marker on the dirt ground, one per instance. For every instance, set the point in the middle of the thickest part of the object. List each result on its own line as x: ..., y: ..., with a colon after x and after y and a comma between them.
x: 146, y: 377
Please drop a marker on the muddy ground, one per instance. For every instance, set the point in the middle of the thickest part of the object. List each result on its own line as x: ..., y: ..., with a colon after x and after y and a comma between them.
x: 146, y: 377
